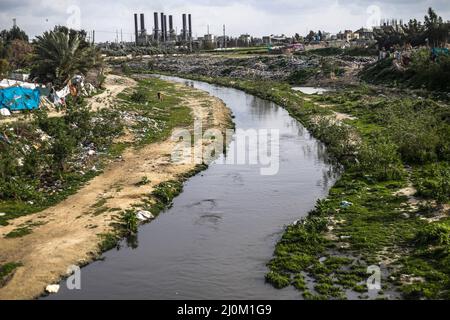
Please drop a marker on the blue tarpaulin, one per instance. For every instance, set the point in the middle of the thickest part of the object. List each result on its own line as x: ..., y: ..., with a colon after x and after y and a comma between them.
x: 18, y: 98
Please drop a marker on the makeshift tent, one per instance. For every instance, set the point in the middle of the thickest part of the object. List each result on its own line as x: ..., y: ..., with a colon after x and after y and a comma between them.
x: 6, y: 83
x: 18, y: 98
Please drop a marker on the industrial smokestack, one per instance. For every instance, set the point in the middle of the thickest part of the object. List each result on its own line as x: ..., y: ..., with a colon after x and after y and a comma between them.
x: 170, y: 23
x: 136, y: 27
x: 184, y: 27
x: 155, y: 18
x: 162, y: 27
x: 142, y: 23
x: 165, y: 28
x: 190, y: 26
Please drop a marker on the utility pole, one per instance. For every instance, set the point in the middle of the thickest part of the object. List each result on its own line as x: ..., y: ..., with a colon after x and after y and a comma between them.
x: 14, y: 22
x: 121, y: 36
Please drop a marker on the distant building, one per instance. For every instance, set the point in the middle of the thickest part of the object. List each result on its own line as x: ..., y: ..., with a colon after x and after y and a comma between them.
x: 267, y: 40
x: 347, y: 35
x: 326, y: 36
x: 276, y: 40
x: 244, y: 40
x: 365, y: 34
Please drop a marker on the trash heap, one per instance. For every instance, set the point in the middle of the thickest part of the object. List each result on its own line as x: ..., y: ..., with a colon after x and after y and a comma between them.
x: 253, y: 67
x: 17, y: 96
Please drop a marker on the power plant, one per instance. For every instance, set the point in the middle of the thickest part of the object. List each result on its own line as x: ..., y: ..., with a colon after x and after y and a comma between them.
x: 163, y: 34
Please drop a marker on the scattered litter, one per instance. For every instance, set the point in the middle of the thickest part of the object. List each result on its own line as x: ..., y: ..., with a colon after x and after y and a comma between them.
x: 52, y: 288
x: 2, y: 214
x: 405, y: 215
x: 5, y: 112
x: 409, y: 279
x: 346, y: 204
x: 4, y: 137
x: 144, y: 215
x: 345, y: 237
x: 91, y: 152
x: 323, y: 259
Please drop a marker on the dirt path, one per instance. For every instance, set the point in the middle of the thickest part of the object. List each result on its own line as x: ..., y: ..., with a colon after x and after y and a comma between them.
x: 68, y: 233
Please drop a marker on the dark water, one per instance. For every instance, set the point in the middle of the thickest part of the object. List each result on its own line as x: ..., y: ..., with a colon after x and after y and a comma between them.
x: 215, y: 241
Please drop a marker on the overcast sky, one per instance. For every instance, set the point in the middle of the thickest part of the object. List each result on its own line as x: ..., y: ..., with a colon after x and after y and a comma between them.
x: 257, y: 17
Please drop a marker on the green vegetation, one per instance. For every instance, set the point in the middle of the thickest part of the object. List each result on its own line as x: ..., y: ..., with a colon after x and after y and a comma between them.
x: 53, y: 150
x: 61, y: 54
x: 19, y: 232
x: 130, y: 222
x: 433, y: 31
x: 332, y: 51
x: 422, y: 72
x: 40, y: 162
x: 427, y: 69
x: 6, y: 270
x: 15, y: 51
x: 363, y: 221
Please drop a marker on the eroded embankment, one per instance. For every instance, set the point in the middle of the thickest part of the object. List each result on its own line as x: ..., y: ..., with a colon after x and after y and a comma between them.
x: 70, y: 233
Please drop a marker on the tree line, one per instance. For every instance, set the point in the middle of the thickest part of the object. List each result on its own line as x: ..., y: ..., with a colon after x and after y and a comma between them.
x: 53, y: 57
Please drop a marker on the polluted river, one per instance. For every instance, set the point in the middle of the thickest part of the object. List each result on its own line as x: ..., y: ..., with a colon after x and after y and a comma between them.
x: 216, y: 239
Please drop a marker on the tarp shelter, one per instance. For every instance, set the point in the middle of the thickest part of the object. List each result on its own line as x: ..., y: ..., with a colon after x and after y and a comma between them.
x: 6, y: 83
x: 18, y: 98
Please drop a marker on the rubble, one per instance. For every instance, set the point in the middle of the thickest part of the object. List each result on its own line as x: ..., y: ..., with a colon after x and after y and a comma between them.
x: 259, y: 67
x: 263, y: 67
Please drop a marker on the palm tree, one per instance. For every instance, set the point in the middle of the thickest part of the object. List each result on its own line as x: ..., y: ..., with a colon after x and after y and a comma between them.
x: 61, y: 55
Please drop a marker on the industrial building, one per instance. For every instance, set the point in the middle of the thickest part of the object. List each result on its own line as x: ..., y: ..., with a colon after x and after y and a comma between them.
x: 164, y: 32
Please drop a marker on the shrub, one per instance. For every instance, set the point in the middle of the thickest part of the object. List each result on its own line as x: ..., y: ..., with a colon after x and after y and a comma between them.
x: 434, y: 182
x: 139, y: 97
x: 130, y: 222
x: 4, y: 67
x: 434, y: 234
x: 380, y: 157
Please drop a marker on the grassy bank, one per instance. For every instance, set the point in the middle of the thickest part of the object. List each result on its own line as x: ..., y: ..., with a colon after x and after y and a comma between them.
x: 367, y: 219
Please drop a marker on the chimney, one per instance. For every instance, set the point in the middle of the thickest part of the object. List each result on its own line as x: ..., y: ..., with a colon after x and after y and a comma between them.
x: 170, y: 24
x: 162, y: 27
x: 184, y: 27
x: 155, y: 17
x: 142, y: 23
x: 190, y: 26
x: 165, y: 28
x: 136, y: 27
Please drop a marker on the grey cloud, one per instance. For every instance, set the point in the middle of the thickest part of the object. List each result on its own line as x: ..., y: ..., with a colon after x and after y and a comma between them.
x: 255, y: 16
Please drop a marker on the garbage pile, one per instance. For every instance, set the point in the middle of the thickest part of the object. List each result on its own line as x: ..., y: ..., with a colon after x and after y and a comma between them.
x: 19, y: 96
x: 252, y: 67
